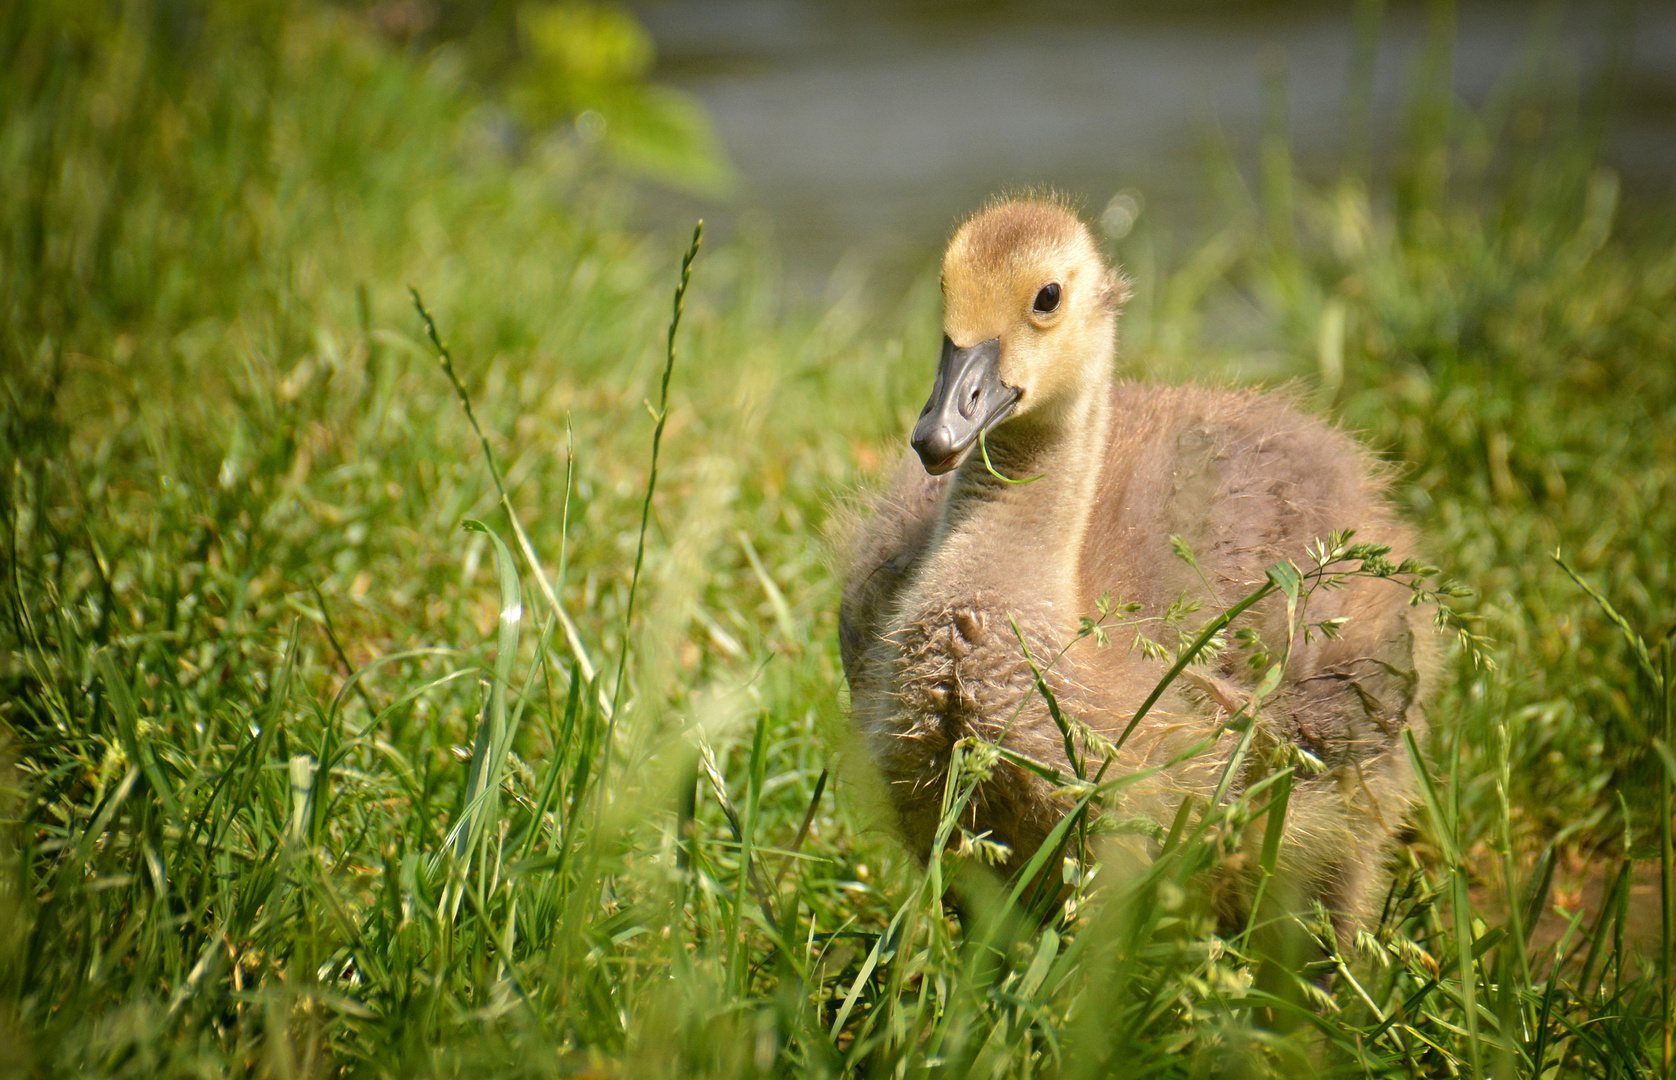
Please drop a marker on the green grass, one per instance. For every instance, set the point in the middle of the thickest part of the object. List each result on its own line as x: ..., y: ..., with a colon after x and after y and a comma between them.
x: 302, y: 777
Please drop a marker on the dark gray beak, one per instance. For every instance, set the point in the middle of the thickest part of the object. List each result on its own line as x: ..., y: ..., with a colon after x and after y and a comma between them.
x: 968, y: 399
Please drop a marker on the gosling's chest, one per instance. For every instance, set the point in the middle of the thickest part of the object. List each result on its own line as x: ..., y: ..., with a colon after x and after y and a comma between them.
x: 965, y: 667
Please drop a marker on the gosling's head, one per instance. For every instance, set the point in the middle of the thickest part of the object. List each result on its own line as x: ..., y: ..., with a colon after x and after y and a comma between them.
x: 1028, y: 310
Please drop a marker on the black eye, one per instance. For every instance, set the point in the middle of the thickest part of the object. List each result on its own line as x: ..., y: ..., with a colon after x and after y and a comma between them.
x: 1048, y: 299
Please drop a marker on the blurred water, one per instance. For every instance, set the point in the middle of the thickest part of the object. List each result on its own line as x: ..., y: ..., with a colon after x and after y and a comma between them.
x: 868, y: 129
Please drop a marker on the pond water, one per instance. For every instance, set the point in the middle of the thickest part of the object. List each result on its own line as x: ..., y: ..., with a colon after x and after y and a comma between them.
x: 865, y: 130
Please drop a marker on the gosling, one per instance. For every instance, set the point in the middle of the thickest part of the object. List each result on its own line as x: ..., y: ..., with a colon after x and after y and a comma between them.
x: 959, y: 560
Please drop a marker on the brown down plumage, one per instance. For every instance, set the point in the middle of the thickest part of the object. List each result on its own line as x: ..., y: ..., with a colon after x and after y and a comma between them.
x: 943, y: 565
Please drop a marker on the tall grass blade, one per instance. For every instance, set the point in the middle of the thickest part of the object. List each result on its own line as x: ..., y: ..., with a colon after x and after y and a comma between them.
x: 776, y: 599
x: 128, y: 724
x: 678, y: 308
x: 1638, y: 645
x: 445, y: 356
x: 494, y: 733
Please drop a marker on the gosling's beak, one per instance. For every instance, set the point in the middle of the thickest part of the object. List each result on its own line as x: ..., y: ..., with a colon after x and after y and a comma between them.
x: 968, y: 399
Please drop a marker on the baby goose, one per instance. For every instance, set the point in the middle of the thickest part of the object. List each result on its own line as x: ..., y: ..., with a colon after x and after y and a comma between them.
x: 955, y: 556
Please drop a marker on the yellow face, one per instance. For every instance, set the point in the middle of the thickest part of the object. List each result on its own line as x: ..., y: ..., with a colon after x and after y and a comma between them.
x: 1028, y: 308
x: 1029, y: 274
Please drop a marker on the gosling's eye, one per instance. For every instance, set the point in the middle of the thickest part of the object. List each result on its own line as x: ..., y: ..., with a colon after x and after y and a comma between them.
x: 1048, y: 299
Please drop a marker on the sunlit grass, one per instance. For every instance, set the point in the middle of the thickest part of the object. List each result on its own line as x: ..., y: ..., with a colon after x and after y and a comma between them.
x: 304, y: 777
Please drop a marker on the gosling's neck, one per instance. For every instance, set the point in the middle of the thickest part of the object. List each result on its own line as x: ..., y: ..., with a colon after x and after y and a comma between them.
x: 1018, y: 546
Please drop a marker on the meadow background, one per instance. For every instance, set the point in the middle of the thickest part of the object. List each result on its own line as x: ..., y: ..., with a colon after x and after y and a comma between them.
x: 301, y: 778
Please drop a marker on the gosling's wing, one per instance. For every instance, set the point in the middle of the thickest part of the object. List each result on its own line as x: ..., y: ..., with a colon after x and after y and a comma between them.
x: 887, y: 547
x: 1285, y: 480
x: 1246, y: 480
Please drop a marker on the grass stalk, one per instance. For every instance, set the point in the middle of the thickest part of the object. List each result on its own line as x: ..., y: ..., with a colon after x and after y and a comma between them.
x: 446, y: 357
x: 678, y: 307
